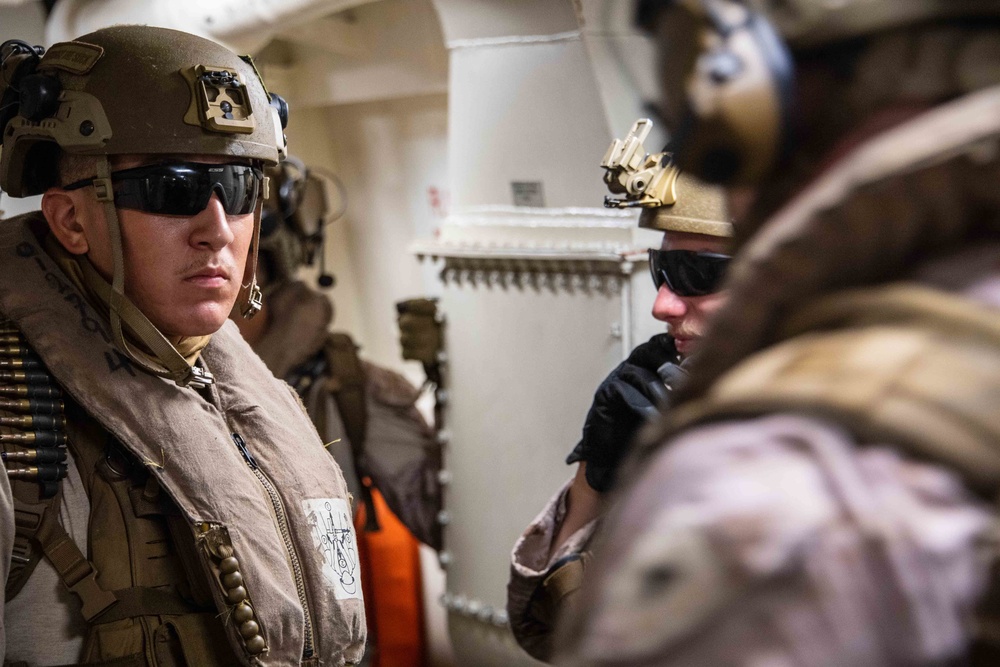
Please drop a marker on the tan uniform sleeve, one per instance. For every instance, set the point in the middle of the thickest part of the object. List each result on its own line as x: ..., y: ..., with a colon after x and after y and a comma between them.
x: 6, y: 549
x: 530, y: 562
x: 780, y: 541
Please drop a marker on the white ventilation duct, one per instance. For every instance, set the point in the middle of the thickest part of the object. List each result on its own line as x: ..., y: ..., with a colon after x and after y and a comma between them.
x: 243, y: 25
x: 543, y: 288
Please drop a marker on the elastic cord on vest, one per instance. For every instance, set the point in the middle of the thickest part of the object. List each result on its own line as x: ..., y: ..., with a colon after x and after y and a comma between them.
x: 171, y: 364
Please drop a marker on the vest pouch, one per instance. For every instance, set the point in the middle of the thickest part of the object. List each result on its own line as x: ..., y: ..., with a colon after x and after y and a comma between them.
x: 189, y: 640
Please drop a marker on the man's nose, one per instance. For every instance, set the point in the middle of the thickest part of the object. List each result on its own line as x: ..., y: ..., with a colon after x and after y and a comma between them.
x: 211, y: 228
x: 668, y: 306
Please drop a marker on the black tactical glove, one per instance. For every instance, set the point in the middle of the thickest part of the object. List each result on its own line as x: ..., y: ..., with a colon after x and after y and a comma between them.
x: 631, y: 395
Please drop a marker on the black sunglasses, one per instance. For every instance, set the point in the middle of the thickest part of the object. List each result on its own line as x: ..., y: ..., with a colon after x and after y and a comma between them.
x: 686, y: 272
x: 184, y: 188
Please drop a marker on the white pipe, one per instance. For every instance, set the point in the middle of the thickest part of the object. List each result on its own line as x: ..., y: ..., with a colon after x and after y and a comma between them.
x: 628, y: 326
x: 242, y: 25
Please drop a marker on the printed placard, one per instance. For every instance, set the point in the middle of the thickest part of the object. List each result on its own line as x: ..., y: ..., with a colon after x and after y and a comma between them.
x: 528, y: 193
x: 334, y: 539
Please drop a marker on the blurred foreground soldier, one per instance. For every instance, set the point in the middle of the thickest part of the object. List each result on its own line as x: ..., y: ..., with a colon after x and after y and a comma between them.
x: 550, y: 558
x: 365, y: 413
x: 825, y: 491
x: 169, y: 502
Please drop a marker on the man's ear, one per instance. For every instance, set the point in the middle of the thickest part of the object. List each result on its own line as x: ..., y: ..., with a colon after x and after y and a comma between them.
x: 60, y: 211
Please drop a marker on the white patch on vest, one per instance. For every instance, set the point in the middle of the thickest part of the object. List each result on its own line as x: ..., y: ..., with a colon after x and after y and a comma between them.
x: 334, y: 539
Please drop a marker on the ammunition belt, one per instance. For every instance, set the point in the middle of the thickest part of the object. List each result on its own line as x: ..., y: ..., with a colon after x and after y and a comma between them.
x: 32, y: 446
x: 32, y: 420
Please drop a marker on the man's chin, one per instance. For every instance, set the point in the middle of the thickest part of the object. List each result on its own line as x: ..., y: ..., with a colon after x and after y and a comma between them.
x: 201, y: 320
x: 685, y: 345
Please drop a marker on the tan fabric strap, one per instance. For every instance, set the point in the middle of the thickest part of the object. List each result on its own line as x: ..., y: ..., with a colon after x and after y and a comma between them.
x: 171, y: 364
x: 80, y: 577
x: 138, y: 601
x: 249, y: 299
x: 26, y: 554
x: 73, y: 568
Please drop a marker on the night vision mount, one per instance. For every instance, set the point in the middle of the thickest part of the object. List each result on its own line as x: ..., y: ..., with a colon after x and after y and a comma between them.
x: 647, y: 181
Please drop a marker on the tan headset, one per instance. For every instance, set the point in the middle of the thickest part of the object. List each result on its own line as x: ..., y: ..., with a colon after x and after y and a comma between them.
x: 736, y: 81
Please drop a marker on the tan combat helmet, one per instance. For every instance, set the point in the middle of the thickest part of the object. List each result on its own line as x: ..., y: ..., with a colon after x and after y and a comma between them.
x: 671, y: 201
x: 134, y: 90
x: 807, y: 23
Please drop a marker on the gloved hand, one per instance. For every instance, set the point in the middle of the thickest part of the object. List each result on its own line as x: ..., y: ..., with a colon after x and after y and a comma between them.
x: 420, y: 330
x: 630, y: 396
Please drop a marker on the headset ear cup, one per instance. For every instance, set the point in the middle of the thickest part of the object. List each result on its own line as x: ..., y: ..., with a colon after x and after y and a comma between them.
x: 39, y: 98
x: 740, y: 95
x: 780, y: 64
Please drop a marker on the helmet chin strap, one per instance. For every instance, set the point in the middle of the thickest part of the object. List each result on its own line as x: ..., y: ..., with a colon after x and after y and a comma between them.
x: 250, y: 300
x: 166, y: 361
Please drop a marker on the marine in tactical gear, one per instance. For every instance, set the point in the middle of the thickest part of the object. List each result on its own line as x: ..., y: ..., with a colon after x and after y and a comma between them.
x: 365, y: 413
x: 824, y: 490
x: 166, y: 499
x: 550, y: 558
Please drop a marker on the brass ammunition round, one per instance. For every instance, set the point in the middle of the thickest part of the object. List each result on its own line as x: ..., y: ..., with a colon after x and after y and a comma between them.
x: 14, y: 351
x: 33, y: 406
x: 39, y: 422
x: 44, y: 455
x: 21, y: 363
x: 43, y: 472
x: 30, y: 391
x: 38, y: 438
x: 30, y: 377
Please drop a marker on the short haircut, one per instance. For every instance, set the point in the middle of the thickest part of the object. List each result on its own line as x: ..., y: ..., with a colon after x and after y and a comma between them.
x: 72, y: 168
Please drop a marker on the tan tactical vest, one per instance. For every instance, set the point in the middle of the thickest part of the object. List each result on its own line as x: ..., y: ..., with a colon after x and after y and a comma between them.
x: 900, y: 364
x: 235, y: 486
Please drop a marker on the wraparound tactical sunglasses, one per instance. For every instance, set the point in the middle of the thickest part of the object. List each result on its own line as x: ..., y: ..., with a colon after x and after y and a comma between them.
x: 184, y: 188
x: 686, y: 272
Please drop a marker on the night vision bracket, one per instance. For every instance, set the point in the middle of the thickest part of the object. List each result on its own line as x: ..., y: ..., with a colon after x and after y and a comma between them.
x: 220, y: 102
x: 646, y: 180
